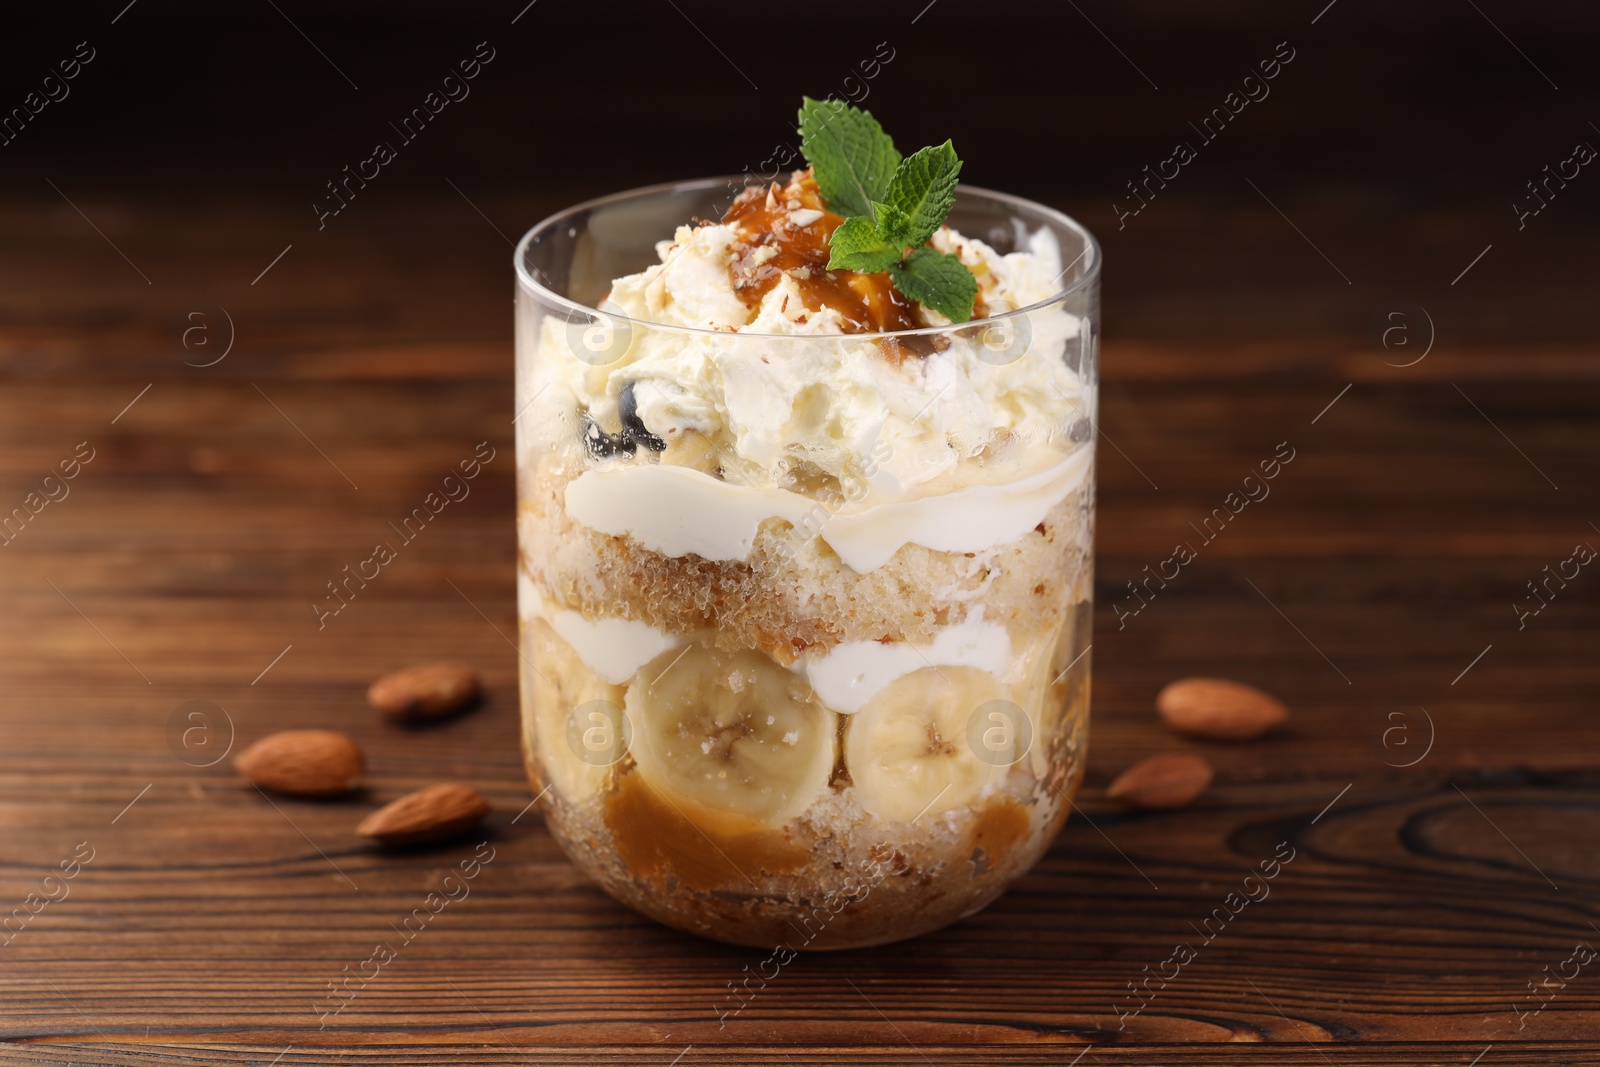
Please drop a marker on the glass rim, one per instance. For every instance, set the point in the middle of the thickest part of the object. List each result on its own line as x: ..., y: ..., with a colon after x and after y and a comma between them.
x: 562, y: 217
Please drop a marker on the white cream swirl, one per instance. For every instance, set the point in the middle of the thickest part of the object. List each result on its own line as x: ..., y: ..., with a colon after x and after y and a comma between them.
x: 679, y: 511
x: 782, y: 394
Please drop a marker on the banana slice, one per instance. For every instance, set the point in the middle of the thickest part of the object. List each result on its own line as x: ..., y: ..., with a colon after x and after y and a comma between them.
x: 1040, y: 695
x: 578, y: 724
x: 731, y: 732
x: 935, y: 739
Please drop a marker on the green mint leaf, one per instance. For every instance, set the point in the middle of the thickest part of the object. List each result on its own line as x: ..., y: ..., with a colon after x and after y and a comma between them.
x: 938, y: 281
x: 924, y: 187
x: 851, y: 158
x: 893, y: 224
x: 858, y: 246
x: 889, y: 203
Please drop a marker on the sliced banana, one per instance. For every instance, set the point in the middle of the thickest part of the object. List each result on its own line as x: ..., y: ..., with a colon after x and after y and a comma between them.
x: 578, y: 722
x: 935, y: 739
x: 1039, y: 694
x: 731, y: 732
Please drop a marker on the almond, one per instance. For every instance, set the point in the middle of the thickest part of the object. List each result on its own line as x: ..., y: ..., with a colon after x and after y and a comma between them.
x: 1219, y: 710
x: 432, y: 814
x: 424, y: 693
x: 1172, y: 780
x: 303, y: 763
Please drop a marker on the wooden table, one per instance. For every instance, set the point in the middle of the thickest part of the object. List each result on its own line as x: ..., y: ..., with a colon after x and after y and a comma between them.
x: 1373, y: 590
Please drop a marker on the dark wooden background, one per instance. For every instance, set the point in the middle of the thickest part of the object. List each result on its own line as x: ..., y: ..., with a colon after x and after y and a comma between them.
x: 375, y: 353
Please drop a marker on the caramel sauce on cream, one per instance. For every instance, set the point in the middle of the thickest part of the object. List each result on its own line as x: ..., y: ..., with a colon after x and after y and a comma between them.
x: 781, y: 233
x: 765, y: 220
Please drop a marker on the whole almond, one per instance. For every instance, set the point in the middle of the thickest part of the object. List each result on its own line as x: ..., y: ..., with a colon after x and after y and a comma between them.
x: 426, y: 692
x: 1172, y: 780
x: 432, y: 814
x: 303, y: 763
x: 1219, y: 710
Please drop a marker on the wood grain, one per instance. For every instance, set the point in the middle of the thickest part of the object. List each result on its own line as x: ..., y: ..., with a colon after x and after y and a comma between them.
x: 1421, y: 900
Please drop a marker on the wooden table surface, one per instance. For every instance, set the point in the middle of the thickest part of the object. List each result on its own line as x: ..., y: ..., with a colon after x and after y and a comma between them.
x: 1437, y: 783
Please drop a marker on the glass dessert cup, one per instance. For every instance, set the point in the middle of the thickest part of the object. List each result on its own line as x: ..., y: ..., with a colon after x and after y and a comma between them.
x: 768, y: 698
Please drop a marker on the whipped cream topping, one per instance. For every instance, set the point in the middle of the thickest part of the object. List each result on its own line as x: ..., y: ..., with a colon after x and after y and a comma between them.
x: 779, y: 394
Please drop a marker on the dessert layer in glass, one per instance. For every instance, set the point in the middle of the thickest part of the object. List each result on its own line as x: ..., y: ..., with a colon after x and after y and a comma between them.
x: 805, y: 605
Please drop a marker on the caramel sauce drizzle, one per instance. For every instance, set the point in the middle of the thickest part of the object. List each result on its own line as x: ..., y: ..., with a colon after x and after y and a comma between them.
x: 866, y: 303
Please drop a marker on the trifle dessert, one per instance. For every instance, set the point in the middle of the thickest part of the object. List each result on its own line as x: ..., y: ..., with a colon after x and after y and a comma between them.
x: 805, y: 507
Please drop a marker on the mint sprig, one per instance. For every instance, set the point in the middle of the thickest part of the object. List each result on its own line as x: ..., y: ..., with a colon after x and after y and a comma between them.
x: 924, y: 188
x: 857, y: 245
x: 942, y: 282
x: 892, y: 205
x: 851, y: 157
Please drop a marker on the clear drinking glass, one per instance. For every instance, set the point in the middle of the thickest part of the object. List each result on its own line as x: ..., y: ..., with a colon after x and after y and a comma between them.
x: 779, y: 706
